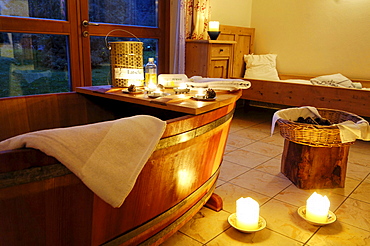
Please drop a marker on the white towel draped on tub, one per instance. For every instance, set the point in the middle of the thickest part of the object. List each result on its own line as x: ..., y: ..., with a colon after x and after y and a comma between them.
x: 106, y: 156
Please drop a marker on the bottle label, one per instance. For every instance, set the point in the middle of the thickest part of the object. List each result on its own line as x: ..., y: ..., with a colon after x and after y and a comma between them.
x: 151, y: 70
x: 128, y: 73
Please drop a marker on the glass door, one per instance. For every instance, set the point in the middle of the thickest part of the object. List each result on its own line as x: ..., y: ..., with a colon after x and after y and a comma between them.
x: 123, y: 20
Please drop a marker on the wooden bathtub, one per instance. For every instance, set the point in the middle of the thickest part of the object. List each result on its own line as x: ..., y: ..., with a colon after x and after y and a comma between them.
x: 43, y: 203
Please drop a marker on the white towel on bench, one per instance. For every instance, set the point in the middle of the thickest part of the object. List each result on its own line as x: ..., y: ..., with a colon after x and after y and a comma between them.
x: 107, y: 156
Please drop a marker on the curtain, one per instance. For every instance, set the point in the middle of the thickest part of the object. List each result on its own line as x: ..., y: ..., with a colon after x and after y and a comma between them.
x: 197, y: 18
x: 191, y: 23
x: 179, y: 38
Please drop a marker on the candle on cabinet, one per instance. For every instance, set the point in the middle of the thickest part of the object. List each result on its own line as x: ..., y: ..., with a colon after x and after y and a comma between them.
x: 214, y: 26
x: 247, y: 213
x: 317, y: 208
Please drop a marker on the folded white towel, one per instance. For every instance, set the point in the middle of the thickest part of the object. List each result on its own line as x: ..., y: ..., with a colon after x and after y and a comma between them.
x: 108, y: 156
x: 218, y: 83
x: 336, y: 80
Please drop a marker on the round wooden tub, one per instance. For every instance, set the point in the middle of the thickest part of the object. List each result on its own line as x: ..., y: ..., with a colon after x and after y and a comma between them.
x: 43, y: 203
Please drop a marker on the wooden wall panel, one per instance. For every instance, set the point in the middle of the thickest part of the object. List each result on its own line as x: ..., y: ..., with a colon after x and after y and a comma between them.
x: 13, y: 117
x: 19, y: 115
x: 244, y: 38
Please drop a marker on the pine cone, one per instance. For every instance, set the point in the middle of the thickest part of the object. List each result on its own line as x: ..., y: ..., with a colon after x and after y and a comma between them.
x: 210, y: 93
x: 131, y: 88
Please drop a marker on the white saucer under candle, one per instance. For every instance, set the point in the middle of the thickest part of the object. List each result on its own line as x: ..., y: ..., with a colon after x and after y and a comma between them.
x: 331, y: 217
x: 155, y: 93
x: 261, y: 224
x: 200, y: 96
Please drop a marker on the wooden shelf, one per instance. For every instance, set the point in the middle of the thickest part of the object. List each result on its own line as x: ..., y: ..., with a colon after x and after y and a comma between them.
x: 211, y: 41
x: 174, y: 102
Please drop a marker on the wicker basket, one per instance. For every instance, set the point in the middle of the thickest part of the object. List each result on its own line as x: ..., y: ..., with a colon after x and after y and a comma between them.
x: 317, y: 135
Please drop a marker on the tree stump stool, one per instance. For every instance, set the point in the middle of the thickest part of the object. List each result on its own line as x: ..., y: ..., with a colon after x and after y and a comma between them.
x: 314, y: 167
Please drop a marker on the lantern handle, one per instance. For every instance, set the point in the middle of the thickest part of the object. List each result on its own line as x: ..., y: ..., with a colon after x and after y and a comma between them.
x: 106, y: 37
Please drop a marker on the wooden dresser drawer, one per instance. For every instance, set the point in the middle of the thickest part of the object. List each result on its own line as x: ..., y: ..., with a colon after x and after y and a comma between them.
x: 209, y: 58
x: 218, y: 50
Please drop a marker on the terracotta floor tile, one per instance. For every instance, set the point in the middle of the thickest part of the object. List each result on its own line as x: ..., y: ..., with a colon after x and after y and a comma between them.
x: 246, y: 158
x: 261, y: 182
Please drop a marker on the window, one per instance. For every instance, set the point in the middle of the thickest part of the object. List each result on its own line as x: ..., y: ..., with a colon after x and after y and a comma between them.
x: 33, y: 64
x: 45, y: 48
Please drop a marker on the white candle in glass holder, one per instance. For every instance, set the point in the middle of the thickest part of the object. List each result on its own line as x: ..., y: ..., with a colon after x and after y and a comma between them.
x: 214, y: 26
x: 317, y: 208
x: 247, y: 213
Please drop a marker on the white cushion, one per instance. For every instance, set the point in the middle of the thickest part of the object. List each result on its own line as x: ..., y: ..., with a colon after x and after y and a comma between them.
x: 261, y: 67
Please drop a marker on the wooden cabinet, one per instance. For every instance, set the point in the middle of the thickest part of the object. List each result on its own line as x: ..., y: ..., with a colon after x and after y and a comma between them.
x: 221, y: 58
x: 209, y: 58
x: 244, y: 38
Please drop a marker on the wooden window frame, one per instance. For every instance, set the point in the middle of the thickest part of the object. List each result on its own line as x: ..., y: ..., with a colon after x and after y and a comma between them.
x: 79, y: 46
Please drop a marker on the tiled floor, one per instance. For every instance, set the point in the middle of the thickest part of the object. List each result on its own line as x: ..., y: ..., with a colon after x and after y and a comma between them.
x: 251, y: 167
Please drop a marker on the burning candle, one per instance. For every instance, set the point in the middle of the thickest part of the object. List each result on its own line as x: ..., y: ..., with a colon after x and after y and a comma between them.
x: 247, y: 213
x: 200, y: 94
x: 214, y: 26
x: 182, y: 86
x: 317, y: 208
x: 151, y: 87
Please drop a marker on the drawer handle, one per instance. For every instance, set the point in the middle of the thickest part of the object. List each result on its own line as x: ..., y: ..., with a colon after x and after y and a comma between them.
x: 219, y: 66
x: 221, y: 50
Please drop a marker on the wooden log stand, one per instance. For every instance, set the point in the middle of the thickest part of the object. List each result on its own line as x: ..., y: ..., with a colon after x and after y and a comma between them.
x: 314, y: 167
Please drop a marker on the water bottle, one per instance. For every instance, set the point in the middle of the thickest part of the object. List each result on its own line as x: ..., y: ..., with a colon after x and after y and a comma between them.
x: 150, y: 72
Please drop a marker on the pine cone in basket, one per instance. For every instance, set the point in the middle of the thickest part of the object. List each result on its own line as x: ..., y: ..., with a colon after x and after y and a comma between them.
x: 312, y: 121
x: 323, y: 121
x: 300, y: 120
